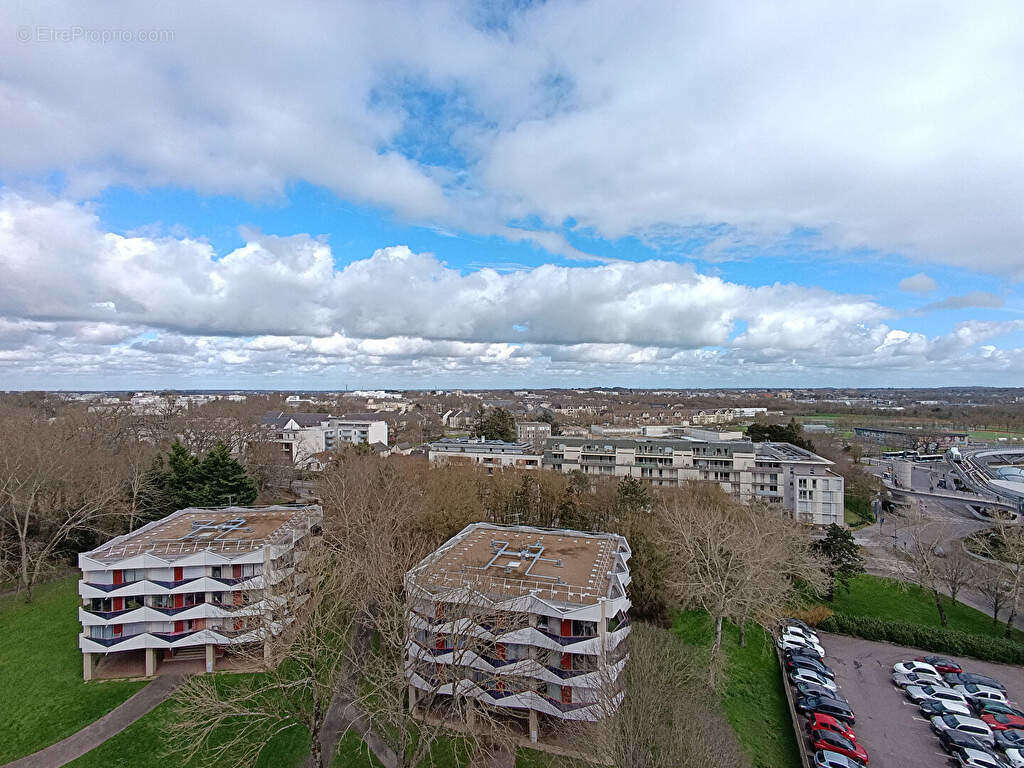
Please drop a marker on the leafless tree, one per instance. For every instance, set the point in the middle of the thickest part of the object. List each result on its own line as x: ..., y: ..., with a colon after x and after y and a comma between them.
x: 956, y: 570
x: 991, y: 583
x: 922, y: 561
x: 1005, y: 545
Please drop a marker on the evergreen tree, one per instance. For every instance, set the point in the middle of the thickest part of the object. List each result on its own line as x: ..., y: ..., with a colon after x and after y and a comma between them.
x: 182, y: 477
x: 222, y: 481
x: 842, y: 557
x: 496, y: 424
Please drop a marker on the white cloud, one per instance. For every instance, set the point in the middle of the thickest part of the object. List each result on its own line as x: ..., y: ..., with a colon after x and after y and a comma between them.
x: 277, y: 310
x: 630, y: 118
x: 980, y: 299
x: 919, y: 283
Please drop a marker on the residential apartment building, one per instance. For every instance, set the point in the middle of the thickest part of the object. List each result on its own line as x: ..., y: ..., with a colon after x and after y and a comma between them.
x: 303, y: 436
x: 797, y: 479
x: 522, y: 621
x: 493, y: 454
x: 532, y: 431
x: 192, y: 585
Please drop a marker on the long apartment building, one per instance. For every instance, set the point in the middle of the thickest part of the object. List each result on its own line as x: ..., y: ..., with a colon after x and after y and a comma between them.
x: 799, y: 480
x: 529, y: 623
x: 191, y: 585
x: 304, y: 436
x: 493, y: 454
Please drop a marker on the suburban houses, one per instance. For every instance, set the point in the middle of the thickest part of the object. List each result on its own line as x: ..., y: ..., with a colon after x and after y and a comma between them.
x: 189, y: 586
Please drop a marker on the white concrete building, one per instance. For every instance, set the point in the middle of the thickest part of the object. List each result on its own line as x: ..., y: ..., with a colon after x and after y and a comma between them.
x: 523, y: 621
x: 488, y: 453
x: 198, y: 581
x: 531, y: 431
x: 302, y: 436
x: 799, y: 480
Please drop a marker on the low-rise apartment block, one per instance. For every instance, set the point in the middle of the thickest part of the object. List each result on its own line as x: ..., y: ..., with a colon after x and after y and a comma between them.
x: 799, y: 480
x: 303, y: 436
x: 532, y: 431
x: 493, y: 454
x: 191, y: 585
x: 529, y: 623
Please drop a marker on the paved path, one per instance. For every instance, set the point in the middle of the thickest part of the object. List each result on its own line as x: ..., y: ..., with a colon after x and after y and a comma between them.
x: 112, y: 723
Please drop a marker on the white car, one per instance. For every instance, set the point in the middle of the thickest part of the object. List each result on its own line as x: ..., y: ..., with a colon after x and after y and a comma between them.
x: 980, y: 692
x: 975, y: 758
x: 920, y: 668
x: 972, y: 726
x: 1015, y: 757
x: 919, y: 693
x: 795, y: 629
x: 796, y: 641
x: 804, y: 675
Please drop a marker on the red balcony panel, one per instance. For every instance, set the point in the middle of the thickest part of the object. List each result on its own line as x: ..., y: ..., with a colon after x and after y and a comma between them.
x: 179, y: 574
x: 566, y: 694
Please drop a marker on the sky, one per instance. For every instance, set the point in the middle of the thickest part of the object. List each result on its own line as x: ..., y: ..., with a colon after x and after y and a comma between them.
x: 511, y: 194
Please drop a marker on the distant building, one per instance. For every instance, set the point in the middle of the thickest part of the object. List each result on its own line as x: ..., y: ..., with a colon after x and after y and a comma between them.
x: 532, y: 431
x: 488, y: 453
x: 303, y: 436
x: 548, y: 624
x: 926, y: 440
x: 781, y: 473
x: 189, y: 586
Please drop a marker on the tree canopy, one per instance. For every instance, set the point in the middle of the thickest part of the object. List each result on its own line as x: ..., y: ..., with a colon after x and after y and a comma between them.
x: 216, y: 480
x: 779, y: 433
x: 495, y: 424
x: 842, y: 558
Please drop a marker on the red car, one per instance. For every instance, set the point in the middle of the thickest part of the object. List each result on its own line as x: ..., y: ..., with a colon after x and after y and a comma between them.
x: 942, y: 665
x: 1000, y: 722
x: 819, y: 722
x: 833, y: 742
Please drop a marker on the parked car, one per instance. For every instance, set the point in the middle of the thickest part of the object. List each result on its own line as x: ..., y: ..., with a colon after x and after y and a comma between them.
x: 919, y: 667
x: 903, y: 679
x: 806, y: 662
x: 827, y: 705
x: 975, y: 758
x: 974, y: 691
x: 825, y: 758
x: 981, y: 706
x: 804, y: 675
x: 822, y: 722
x: 1009, y: 739
x: 934, y: 708
x: 830, y: 741
x: 1015, y: 757
x: 969, y: 725
x: 810, y: 689
x: 808, y: 634
x: 998, y: 722
x: 798, y: 641
x: 963, y: 678
x: 919, y: 693
x: 953, y: 741
x: 942, y: 664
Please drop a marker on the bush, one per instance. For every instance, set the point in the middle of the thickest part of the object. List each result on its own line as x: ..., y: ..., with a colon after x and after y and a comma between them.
x: 935, y: 639
x: 815, y: 615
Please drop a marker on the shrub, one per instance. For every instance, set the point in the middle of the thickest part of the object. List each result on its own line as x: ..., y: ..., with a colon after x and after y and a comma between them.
x: 938, y: 640
x: 815, y: 615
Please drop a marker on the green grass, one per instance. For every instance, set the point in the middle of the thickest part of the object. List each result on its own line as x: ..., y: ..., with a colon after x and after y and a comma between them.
x: 889, y: 599
x: 752, y: 695
x: 989, y: 435
x: 43, y: 697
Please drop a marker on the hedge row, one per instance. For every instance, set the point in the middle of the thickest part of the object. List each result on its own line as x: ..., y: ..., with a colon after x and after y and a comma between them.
x: 936, y: 639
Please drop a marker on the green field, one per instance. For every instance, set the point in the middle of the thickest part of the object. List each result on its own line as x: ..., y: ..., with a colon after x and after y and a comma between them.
x: 987, y: 435
x: 752, y: 695
x: 889, y: 599
x: 44, y: 698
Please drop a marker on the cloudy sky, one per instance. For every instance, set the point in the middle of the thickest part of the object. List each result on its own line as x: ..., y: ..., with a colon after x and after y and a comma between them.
x: 570, y: 193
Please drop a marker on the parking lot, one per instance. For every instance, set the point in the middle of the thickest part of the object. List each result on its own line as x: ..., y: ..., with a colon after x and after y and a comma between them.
x: 890, y: 728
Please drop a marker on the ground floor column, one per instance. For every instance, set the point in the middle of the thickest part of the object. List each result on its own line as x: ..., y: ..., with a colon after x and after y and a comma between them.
x: 88, y: 665
x: 534, y: 726
x: 150, y: 662
x: 209, y: 656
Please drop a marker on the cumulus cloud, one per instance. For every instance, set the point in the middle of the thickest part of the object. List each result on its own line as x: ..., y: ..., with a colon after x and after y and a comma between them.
x: 919, y: 283
x: 622, y: 117
x: 169, y: 311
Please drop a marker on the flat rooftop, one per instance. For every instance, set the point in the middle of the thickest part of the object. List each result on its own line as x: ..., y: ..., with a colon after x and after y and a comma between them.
x: 511, y: 561
x: 787, y: 452
x: 227, y: 531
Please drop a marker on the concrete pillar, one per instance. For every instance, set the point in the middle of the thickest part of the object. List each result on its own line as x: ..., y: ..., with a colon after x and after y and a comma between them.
x: 88, y: 666
x: 412, y: 699
x: 150, y: 662
x: 210, y: 656
x: 534, y: 726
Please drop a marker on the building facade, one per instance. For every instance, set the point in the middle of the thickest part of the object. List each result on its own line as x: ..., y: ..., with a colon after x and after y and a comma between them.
x: 529, y: 623
x: 532, y: 431
x: 926, y: 440
x: 303, y: 436
x: 191, y: 585
x: 781, y: 473
x: 493, y: 454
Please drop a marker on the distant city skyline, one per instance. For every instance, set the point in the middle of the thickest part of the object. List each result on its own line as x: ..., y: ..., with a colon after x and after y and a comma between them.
x: 513, y: 195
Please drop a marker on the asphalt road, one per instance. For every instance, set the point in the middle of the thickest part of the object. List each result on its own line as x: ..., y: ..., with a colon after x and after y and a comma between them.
x: 890, y: 728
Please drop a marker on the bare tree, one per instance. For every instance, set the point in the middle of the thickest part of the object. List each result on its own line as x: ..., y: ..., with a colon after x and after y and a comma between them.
x: 1005, y: 544
x: 990, y: 581
x: 956, y: 570
x: 922, y: 561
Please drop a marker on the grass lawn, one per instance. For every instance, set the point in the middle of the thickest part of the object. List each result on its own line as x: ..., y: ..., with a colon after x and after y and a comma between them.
x: 987, y: 435
x: 44, y: 698
x: 888, y: 599
x: 752, y: 694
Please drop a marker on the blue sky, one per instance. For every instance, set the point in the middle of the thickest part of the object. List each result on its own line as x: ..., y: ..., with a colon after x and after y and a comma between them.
x: 471, y: 194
